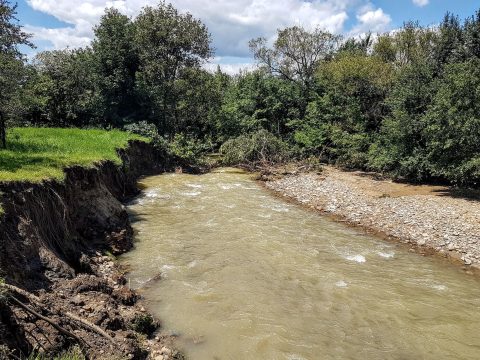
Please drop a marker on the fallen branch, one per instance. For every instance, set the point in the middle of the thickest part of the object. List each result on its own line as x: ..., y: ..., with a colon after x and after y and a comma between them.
x: 84, y: 323
x: 48, y: 320
x: 90, y: 326
x: 26, y: 294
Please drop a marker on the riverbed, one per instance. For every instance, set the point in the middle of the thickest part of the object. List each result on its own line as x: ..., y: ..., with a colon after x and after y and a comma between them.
x: 240, y: 274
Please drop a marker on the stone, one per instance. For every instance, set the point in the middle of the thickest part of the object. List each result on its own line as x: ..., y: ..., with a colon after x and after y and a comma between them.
x: 77, y: 301
x: 166, y: 351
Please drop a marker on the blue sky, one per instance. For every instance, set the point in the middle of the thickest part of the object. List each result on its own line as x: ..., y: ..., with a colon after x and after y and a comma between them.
x: 57, y: 24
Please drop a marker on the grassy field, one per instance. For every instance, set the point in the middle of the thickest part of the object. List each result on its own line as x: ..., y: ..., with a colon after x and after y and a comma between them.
x: 36, y: 154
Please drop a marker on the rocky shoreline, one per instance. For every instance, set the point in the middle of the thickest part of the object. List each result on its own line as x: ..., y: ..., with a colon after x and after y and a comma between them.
x: 432, y: 219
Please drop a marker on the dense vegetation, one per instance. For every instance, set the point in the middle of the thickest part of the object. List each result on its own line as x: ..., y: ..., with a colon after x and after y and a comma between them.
x: 405, y: 103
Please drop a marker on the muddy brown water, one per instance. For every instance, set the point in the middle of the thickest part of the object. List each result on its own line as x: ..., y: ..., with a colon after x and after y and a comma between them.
x: 240, y: 274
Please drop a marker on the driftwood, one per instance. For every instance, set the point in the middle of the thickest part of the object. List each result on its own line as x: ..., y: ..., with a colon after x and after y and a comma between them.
x: 77, y: 320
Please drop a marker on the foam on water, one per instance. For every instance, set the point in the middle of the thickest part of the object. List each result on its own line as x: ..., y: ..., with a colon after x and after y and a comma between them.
x: 386, y: 255
x: 193, y: 193
x: 356, y: 258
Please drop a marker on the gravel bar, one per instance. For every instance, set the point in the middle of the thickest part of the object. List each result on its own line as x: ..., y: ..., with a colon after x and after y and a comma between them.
x: 425, y: 216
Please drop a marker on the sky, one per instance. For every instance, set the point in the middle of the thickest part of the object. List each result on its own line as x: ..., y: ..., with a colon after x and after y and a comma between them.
x: 57, y: 24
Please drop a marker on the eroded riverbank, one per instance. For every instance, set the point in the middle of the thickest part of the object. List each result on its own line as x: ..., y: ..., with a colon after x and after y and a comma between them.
x: 61, y: 287
x: 238, y: 273
x: 430, y: 217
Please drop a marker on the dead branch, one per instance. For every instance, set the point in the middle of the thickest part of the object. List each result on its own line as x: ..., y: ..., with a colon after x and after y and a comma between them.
x: 84, y: 323
x: 89, y: 326
x: 48, y: 320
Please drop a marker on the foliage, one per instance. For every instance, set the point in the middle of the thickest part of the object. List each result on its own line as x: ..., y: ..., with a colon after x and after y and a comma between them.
x: 11, y: 60
x: 404, y: 103
x: 143, y: 324
x: 452, y: 125
x: 296, y: 53
x: 258, y: 147
x: 143, y: 128
x: 167, y: 42
x: 340, y: 122
x: 36, y: 154
x: 67, y: 80
x: 257, y: 101
x: 400, y: 146
x: 115, y: 63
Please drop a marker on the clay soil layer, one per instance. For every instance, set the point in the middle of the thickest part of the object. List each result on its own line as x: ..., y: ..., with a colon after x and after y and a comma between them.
x: 433, y: 219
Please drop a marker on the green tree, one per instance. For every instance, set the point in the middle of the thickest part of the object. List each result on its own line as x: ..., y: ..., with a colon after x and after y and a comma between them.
x: 296, y: 53
x: 412, y: 43
x: 347, y: 112
x: 11, y: 60
x: 401, y: 146
x: 452, y: 125
x: 116, y: 63
x: 68, y: 85
x: 167, y: 43
x: 259, y: 100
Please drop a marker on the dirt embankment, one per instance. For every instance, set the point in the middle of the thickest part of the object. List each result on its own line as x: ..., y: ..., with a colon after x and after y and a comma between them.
x: 54, y: 238
x: 433, y: 219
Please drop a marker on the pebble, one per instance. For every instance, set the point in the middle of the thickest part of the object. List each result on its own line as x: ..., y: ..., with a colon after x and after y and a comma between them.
x: 425, y: 220
x: 165, y: 351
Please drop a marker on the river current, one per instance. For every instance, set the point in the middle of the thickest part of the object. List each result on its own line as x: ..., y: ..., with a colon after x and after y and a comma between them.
x: 241, y: 274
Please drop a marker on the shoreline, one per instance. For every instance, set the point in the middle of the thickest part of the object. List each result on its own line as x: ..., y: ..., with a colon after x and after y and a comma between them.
x: 397, y: 213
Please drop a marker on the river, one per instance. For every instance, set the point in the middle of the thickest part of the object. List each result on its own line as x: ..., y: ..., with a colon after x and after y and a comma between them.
x: 241, y: 274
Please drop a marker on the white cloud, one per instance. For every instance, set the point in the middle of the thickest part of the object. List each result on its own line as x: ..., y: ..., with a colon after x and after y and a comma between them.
x: 421, y: 2
x: 369, y: 19
x: 230, y: 66
x: 232, y: 23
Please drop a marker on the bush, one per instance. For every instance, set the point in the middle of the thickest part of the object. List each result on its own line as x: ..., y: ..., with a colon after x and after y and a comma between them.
x: 258, y: 147
x: 143, y: 324
x: 182, y: 146
x: 183, y: 149
x: 143, y: 128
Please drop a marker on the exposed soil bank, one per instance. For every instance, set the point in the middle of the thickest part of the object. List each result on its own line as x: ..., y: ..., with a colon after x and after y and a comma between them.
x: 53, y: 241
x: 432, y: 219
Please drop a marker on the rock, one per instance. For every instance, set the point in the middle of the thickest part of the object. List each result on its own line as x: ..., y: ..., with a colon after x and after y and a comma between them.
x: 77, y: 301
x: 166, y: 351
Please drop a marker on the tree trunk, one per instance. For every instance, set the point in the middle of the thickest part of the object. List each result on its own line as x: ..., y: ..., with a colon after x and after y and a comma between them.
x: 3, y: 132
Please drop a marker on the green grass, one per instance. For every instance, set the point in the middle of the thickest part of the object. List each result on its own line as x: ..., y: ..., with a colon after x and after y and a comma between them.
x: 36, y: 154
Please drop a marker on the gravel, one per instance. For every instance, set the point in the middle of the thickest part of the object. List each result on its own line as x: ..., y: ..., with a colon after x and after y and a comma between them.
x: 428, y: 219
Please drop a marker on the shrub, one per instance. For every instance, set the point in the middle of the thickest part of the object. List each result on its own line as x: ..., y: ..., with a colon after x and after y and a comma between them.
x: 143, y: 128
x: 143, y: 324
x: 258, y: 147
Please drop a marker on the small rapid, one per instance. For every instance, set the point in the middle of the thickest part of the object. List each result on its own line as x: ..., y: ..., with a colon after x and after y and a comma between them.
x: 241, y: 274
